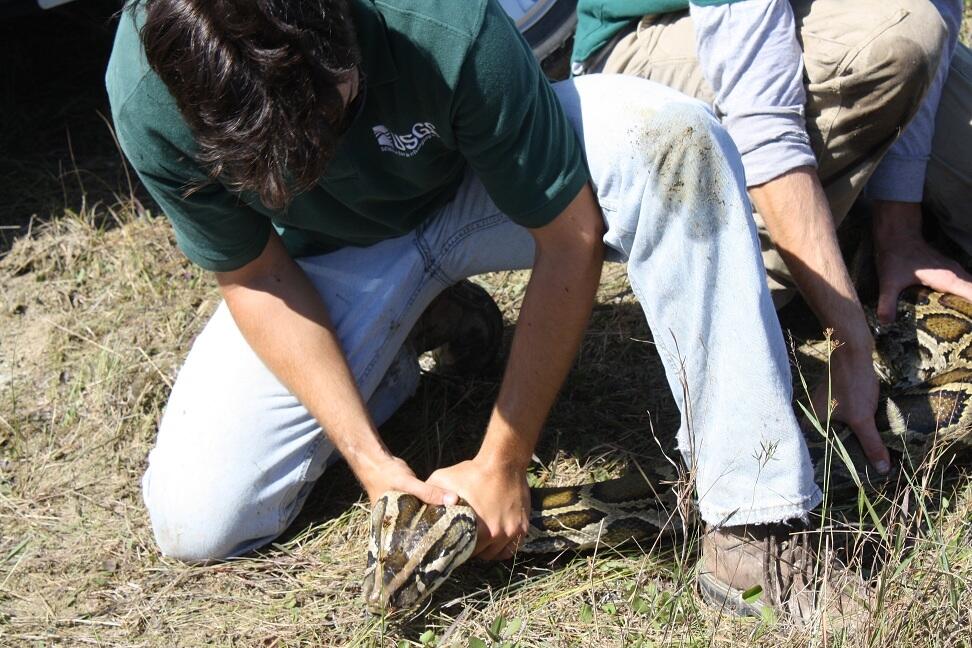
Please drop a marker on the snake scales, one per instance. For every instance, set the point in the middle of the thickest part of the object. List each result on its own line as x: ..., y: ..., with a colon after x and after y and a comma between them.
x: 924, y: 360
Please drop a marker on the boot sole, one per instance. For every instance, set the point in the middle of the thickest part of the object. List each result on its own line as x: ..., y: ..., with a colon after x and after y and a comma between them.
x: 724, y: 597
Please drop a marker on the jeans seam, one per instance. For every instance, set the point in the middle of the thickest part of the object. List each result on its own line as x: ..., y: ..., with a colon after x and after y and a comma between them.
x: 397, y: 321
x: 429, y: 271
x: 469, y: 229
x: 433, y: 266
x: 434, y: 262
x: 801, y: 503
x: 300, y: 482
x: 423, y: 247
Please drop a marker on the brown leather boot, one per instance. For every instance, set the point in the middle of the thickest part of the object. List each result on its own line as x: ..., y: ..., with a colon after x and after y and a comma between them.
x: 748, y: 569
x: 463, y: 327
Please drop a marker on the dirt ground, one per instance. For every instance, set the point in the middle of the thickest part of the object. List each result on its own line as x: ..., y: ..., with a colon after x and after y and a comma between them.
x: 98, y: 309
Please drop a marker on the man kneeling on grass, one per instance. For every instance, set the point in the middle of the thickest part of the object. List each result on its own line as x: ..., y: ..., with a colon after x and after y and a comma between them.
x: 342, y: 166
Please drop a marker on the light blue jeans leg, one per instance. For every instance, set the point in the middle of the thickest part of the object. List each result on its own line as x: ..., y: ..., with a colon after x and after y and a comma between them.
x: 671, y: 186
x: 237, y: 454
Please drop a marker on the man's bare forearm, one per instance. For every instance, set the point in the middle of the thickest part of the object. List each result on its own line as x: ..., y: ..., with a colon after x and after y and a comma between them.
x: 552, y: 321
x: 554, y: 315
x: 799, y: 221
x: 286, y: 323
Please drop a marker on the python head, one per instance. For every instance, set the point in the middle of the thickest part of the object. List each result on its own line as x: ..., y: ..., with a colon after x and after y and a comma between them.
x: 413, y: 549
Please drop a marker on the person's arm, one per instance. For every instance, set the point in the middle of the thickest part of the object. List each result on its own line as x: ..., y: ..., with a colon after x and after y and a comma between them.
x: 285, y: 322
x: 798, y: 218
x: 511, y: 128
x: 554, y: 315
x: 903, y: 256
x: 750, y: 55
x: 277, y: 309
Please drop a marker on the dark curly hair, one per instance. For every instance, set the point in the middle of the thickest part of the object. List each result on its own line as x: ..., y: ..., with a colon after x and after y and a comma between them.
x: 257, y: 82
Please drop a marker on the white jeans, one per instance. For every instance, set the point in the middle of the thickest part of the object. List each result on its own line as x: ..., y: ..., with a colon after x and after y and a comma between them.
x: 237, y: 454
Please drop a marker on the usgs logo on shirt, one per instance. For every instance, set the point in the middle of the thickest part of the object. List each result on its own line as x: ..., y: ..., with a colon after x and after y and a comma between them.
x: 408, y: 144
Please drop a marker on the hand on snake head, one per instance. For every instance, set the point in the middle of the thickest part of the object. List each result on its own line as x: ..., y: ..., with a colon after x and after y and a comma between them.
x: 392, y: 473
x: 854, y: 387
x: 499, y: 494
x: 904, y: 259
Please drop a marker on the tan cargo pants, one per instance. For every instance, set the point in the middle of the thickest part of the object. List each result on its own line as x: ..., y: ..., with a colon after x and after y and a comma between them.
x: 868, y: 64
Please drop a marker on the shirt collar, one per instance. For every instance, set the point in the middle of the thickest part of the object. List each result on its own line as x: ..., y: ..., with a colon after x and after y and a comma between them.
x: 376, y: 55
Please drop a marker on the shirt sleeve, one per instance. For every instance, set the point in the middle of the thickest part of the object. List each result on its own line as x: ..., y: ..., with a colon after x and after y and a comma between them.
x: 511, y: 129
x: 213, y: 226
x: 901, y: 174
x: 750, y: 55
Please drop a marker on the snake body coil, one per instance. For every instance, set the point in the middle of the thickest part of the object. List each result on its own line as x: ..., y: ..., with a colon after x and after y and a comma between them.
x: 924, y: 360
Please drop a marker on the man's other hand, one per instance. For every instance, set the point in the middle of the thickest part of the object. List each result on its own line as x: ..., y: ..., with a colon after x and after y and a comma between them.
x: 499, y: 494
x: 904, y: 258
x: 391, y: 473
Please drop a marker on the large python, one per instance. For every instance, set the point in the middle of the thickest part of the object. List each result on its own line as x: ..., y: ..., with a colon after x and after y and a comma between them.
x: 414, y: 547
x: 924, y: 360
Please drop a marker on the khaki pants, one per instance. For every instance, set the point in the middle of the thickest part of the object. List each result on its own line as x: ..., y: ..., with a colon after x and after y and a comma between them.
x: 868, y: 64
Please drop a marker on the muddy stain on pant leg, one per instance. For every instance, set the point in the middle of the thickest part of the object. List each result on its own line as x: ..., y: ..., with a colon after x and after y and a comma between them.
x: 685, y: 168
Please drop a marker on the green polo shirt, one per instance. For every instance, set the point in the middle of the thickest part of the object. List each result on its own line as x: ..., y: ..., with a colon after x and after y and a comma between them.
x: 451, y: 86
x: 598, y: 21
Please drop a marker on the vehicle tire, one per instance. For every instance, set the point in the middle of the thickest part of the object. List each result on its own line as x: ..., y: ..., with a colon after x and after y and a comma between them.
x: 547, y: 25
x: 553, y: 29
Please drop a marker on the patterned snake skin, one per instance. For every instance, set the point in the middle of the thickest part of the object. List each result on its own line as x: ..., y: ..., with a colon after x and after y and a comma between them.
x: 924, y: 360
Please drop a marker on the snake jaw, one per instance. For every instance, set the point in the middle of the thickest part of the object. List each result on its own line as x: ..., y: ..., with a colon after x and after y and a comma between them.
x: 412, y: 550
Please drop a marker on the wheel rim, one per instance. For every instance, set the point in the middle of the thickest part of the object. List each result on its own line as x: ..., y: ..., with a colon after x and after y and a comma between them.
x: 526, y: 13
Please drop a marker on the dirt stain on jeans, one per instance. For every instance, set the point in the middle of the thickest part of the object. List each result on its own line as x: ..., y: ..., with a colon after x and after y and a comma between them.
x: 685, y: 168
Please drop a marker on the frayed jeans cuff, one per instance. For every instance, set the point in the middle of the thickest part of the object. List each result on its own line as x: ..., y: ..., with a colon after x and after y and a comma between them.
x: 749, y: 515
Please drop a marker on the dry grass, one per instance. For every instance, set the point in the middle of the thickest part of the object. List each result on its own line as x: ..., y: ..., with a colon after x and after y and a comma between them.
x: 97, y: 309
x: 93, y: 324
